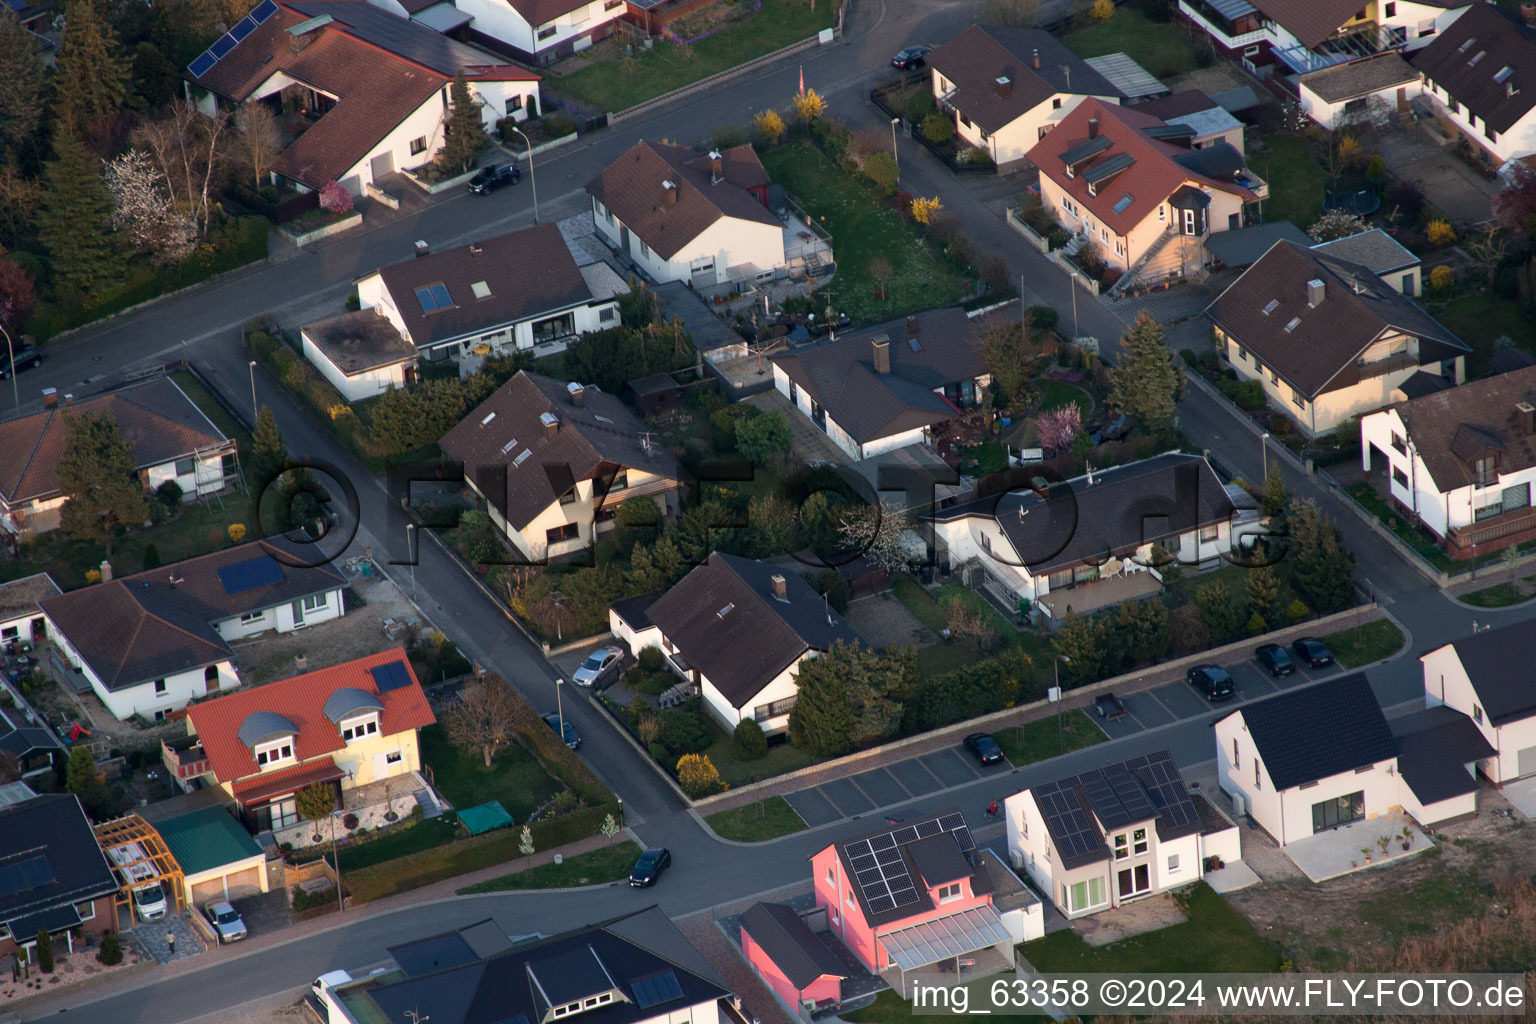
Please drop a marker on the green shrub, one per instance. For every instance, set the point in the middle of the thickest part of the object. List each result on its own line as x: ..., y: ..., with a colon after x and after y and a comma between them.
x: 44, y: 951
x: 1044, y: 318
x: 658, y: 752
x: 650, y: 659
x: 151, y: 557
x: 1297, y: 610
x: 748, y: 742
x: 684, y: 732
x: 111, y: 952
x: 938, y: 129
x: 1189, y: 357
x: 558, y: 127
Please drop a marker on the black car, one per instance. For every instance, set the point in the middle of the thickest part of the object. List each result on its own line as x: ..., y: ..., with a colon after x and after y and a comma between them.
x: 569, y: 734
x: 1274, y: 658
x: 911, y: 58
x: 492, y: 176
x: 27, y: 358
x: 1212, y: 681
x: 984, y: 747
x: 1312, y: 651
x: 649, y: 868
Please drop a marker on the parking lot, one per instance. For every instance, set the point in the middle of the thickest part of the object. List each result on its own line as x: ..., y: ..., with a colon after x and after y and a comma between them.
x: 891, y: 784
x: 1178, y: 701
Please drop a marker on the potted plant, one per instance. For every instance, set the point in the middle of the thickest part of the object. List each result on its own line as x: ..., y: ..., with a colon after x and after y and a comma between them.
x: 1383, y: 842
x: 1366, y: 851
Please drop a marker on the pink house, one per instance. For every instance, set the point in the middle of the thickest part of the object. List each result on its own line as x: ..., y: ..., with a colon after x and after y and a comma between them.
x: 790, y: 957
x: 919, y: 893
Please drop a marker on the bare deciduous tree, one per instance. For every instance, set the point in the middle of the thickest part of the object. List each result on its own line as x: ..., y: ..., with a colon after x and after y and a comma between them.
x: 259, y: 138
x: 877, y: 532
x: 484, y: 719
x: 187, y: 147
x: 1012, y: 13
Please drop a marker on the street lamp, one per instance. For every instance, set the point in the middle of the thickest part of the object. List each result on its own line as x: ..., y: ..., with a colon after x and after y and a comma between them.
x: 10, y: 349
x: 255, y: 413
x: 341, y: 904
x: 621, y: 812
x: 1264, y: 454
x: 1061, y: 733
x: 532, y: 180
x: 894, y: 154
x: 559, y: 708
x: 410, y: 554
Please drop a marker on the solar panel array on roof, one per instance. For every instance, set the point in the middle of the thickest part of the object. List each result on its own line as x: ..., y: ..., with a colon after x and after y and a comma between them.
x: 1108, y: 169
x: 1169, y: 792
x: 1075, y: 834
x: 244, y: 27
x: 390, y: 676
x: 261, y: 571
x: 880, y: 869
x: 1077, y: 154
x: 24, y: 875
x: 200, y: 66
x: 657, y: 989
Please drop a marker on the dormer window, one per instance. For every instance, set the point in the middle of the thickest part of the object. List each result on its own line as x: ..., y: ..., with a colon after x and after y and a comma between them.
x: 269, y: 737
x: 275, y: 753
x: 359, y: 726
x: 949, y: 893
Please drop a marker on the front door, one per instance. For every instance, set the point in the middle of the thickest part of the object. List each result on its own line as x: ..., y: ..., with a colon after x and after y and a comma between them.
x: 298, y: 614
x: 1134, y: 881
x: 1338, y: 811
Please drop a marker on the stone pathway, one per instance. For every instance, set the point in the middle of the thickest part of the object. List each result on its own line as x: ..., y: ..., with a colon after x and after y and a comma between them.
x: 152, y: 936
x: 1148, y: 915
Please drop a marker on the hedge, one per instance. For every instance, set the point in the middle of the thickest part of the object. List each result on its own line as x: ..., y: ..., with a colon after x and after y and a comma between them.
x: 979, y: 689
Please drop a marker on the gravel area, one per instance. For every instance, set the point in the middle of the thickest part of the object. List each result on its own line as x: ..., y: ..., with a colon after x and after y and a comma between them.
x: 885, y: 622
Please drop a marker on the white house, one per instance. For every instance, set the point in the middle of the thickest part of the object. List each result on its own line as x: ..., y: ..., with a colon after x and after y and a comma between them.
x: 1306, y: 761
x: 536, y: 32
x: 738, y: 630
x: 170, y: 437
x: 554, y: 461
x: 151, y: 642
x: 371, y: 86
x: 1480, y: 74
x: 1086, y: 543
x: 1209, y: 120
x: 21, y: 616
x: 523, y: 291
x: 876, y: 390
x: 1486, y: 677
x: 1326, y: 338
x: 1108, y: 836
x: 682, y: 217
x: 1375, y: 90
x: 1007, y: 87
x: 360, y: 353
x: 1461, y: 461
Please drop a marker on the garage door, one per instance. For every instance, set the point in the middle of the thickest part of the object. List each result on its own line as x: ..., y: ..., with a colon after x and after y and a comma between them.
x: 245, y: 883
x: 203, y: 892
x: 1526, y: 761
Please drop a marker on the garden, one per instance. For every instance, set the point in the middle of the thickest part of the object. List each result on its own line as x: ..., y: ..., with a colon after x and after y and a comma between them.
x: 1163, y: 48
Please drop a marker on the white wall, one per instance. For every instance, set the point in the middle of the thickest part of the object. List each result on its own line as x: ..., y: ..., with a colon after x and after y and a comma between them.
x: 1446, y: 682
x: 206, y: 478
x: 962, y: 539
x: 780, y: 687
x: 634, y: 639
x: 1330, y: 114
x: 1519, y: 140
x: 1010, y: 143
x: 1029, y: 844
x: 280, y: 618
x: 502, y: 22
x: 358, y: 386
x: 733, y: 243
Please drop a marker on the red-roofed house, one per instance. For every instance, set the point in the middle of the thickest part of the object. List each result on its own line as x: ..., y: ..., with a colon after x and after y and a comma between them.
x: 1128, y: 183
x: 349, y: 726
x: 370, y: 87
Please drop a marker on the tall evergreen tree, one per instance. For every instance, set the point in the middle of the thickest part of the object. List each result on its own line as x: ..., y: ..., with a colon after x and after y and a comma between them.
x: 1147, y: 383
x: 75, y: 223
x: 100, y: 481
x: 852, y: 697
x: 464, y: 137
x: 268, y: 452
x: 22, y: 78
x: 93, y: 70
x: 1322, y: 568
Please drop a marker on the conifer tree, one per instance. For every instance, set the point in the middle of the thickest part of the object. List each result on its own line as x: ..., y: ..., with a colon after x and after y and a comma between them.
x: 75, y: 223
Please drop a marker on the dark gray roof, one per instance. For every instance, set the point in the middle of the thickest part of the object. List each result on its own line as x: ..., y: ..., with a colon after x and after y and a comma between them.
x: 1497, y: 661
x: 1434, y: 749
x: 1374, y: 249
x: 929, y: 351
x: 402, y: 36
x: 1509, y: 358
x: 1235, y: 100
x: 1507, y: 43
x: 938, y: 859
x: 27, y: 740
x: 1243, y: 247
x: 259, y: 726
x: 896, y: 891
x: 347, y: 700
x: 1124, y: 508
x: 1421, y: 384
x: 724, y: 619
x: 498, y: 989
x: 359, y: 341
x: 433, y: 953
x: 1035, y: 63
x: 19, y: 598
x: 49, y: 857
x: 1144, y: 788
x: 635, y: 610
x: 1220, y: 160
x: 790, y: 944
x: 570, y: 973
x: 1306, y: 735
x: 708, y: 331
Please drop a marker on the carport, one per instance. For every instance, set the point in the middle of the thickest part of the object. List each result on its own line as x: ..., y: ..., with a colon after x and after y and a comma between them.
x: 219, y: 860
x: 138, y: 857
x: 944, y: 939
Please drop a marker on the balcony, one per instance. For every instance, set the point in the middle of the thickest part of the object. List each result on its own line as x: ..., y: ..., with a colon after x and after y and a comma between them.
x: 1382, y: 367
x: 184, y: 757
x: 1232, y: 23
x: 1367, y: 41
x: 1463, y: 540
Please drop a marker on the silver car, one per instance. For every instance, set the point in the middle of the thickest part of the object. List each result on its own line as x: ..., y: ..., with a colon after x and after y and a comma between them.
x: 225, y: 920
x: 599, y: 663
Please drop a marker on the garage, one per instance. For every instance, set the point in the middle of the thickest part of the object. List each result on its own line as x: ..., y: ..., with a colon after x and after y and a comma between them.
x: 218, y: 857
x: 1525, y: 761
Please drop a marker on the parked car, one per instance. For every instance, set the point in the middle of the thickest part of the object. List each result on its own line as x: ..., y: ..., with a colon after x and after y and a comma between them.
x: 911, y: 58
x: 1275, y: 659
x: 568, y: 733
x: 1211, y: 681
x: 149, y: 902
x: 492, y: 176
x: 27, y: 358
x: 599, y: 668
x: 984, y: 747
x: 1313, y: 651
x: 649, y: 868
x: 225, y: 920
x: 1109, y: 706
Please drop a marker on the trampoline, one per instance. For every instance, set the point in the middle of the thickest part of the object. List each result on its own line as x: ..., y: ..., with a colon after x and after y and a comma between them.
x: 485, y: 817
x: 1359, y: 196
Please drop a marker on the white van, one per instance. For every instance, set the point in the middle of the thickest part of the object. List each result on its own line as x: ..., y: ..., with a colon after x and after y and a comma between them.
x: 149, y: 902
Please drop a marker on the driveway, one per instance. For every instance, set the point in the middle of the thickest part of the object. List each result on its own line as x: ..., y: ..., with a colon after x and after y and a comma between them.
x: 1454, y: 188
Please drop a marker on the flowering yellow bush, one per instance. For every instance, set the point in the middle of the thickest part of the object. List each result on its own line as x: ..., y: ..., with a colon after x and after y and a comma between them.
x: 697, y: 775
x: 769, y: 126
x: 1102, y: 10
x: 338, y: 410
x: 236, y: 532
x: 923, y: 209
x: 810, y: 106
x: 1441, y: 277
x: 93, y: 575
x: 1440, y: 232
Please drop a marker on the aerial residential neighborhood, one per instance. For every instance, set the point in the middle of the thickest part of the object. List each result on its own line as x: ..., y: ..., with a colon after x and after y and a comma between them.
x: 658, y: 511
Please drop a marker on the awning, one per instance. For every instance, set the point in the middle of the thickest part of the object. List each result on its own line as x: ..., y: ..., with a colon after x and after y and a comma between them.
x: 945, y: 937
x: 261, y: 789
x: 54, y: 919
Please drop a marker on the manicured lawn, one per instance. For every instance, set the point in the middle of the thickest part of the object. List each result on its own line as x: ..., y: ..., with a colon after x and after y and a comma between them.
x: 1500, y: 595
x: 919, y: 602
x: 989, y: 457
x: 1295, y: 179
x: 1162, y: 49
x: 781, y: 758
x: 595, y: 867
x: 1056, y: 393
x: 1361, y: 645
x: 1366, y: 495
x: 1036, y: 741
x: 863, y: 227
x: 756, y: 822
x: 1215, y: 939
x: 1480, y: 320
x: 515, y: 777
x: 612, y: 85
x: 928, y: 607
x: 945, y: 656
x: 890, y: 1008
x: 424, y: 835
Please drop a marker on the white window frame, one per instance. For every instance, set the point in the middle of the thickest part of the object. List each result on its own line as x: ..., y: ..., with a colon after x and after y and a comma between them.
x: 949, y: 893
x: 274, y: 752
x: 1139, y: 842
x: 248, y: 618
x: 315, y: 602
x: 394, y: 757
x: 1088, y: 885
x: 359, y: 727
x: 1173, y: 864
x: 160, y: 687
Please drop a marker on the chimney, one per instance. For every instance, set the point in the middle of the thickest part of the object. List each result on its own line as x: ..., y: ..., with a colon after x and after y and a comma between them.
x: 1035, y: 60
x: 1004, y: 86
x: 50, y: 397
x: 780, y: 587
x: 882, y: 353
x: 300, y: 664
x: 716, y: 167
x: 106, y: 571
x: 1093, y: 127
x: 1525, y: 415
x: 551, y: 425
x: 577, y: 393
x: 422, y: 248
x: 912, y: 326
x: 1090, y: 476
x: 671, y: 192
x: 1316, y: 292
x: 69, y: 399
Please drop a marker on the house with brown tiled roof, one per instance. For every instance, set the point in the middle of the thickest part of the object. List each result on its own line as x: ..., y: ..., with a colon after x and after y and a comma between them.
x: 1130, y: 185
x: 1480, y: 74
x: 349, y: 727
x: 1326, y: 338
x: 171, y: 438
x: 1461, y: 461
x: 361, y: 92
x: 554, y: 460
x: 679, y: 216
x: 149, y: 643
x: 1007, y: 87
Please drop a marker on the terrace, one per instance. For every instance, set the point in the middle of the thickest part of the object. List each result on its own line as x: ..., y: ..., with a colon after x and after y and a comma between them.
x: 1341, y: 49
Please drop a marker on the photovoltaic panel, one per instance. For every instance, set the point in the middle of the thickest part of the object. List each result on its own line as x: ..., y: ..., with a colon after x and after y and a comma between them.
x: 264, y: 11
x: 244, y: 27
x: 390, y: 676
x: 862, y: 863
x: 880, y: 904
x: 204, y: 62
x: 951, y: 822
x: 904, y: 897
x: 859, y: 848
x: 869, y: 877
x: 882, y: 842
x: 223, y: 46
x: 659, y: 989
x: 891, y: 856
x: 904, y: 835
x: 24, y: 875
x: 931, y: 827
x: 963, y: 837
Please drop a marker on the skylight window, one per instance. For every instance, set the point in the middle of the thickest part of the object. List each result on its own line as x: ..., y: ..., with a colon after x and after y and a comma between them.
x: 481, y: 290
x: 522, y: 457
x: 1124, y: 202
x: 1270, y: 307
x: 1477, y: 57
x: 433, y: 297
x: 509, y: 446
x: 600, y: 418
x: 1504, y: 73
x: 1295, y: 320
x: 488, y: 417
x: 1464, y: 47
x: 723, y: 612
